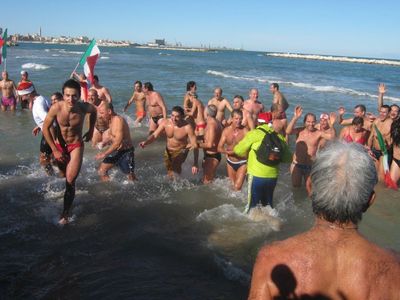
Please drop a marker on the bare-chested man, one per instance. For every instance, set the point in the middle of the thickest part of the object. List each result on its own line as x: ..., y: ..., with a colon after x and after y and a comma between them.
x: 331, y: 260
x: 278, y: 123
x: 253, y: 106
x: 221, y: 103
x: 279, y: 99
x: 211, y: 139
x: 191, y: 87
x: 197, y: 114
x: 102, y: 91
x: 121, y: 151
x: 155, y: 105
x: 8, y: 92
x: 383, y: 124
x: 100, y: 134
x: 394, y: 108
x: 308, y: 139
x: 140, y: 101
x: 236, y: 166
x: 247, y: 121
x: 180, y: 139
x: 359, y: 111
x: 68, y: 149
x: 326, y: 122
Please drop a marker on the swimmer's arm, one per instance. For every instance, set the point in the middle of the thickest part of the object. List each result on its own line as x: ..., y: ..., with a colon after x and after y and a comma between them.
x: 259, y: 288
x: 250, y: 121
x: 210, y: 138
x: 152, y: 137
x: 381, y: 92
x: 192, y: 110
x: 192, y: 137
x: 221, y: 148
x: 371, y: 137
x: 90, y: 108
x: 48, y: 124
x: 161, y: 102
x: 117, y: 139
x: 129, y: 102
x: 290, y: 128
x: 228, y: 105
x: 108, y: 95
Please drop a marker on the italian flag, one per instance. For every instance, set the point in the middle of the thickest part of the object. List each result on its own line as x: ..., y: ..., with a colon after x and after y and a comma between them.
x: 89, y: 59
x: 388, y: 180
x: 3, y: 47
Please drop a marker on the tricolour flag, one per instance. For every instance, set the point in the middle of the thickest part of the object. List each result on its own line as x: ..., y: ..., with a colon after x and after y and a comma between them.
x: 3, y: 46
x: 89, y: 59
x: 388, y: 180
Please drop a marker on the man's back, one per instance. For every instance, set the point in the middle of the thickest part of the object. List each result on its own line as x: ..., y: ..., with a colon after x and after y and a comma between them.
x: 327, y: 261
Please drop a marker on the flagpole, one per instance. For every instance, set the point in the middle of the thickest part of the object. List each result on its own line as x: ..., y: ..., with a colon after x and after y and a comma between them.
x: 77, y: 65
x: 72, y: 74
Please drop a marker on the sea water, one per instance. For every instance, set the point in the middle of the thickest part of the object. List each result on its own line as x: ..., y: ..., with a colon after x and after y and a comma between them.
x: 157, y: 239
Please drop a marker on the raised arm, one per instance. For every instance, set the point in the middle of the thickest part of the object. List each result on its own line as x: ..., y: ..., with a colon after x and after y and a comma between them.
x: 381, y: 92
x: 298, y: 111
x: 342, y: 121
x: 152, y: 137
x: 130, y: 101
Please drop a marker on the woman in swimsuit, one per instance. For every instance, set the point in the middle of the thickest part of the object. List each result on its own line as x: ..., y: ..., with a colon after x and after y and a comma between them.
x: 395, y: 136
x: 355, y: 133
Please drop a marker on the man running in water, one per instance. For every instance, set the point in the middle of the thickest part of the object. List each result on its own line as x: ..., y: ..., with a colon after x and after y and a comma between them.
x: 155, y: 105
x: 68, y: 149
x: 121, y: 151
x: 236, y: 166
x: 8, y: 92
x: 140, y: 101
x: 180, y: 139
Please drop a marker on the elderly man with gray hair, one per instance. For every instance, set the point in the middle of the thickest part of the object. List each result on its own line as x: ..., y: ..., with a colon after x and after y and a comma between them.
x: 331, y: 260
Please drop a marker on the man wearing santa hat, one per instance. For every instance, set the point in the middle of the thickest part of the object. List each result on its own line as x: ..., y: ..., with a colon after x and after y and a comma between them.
x: 40, y: 107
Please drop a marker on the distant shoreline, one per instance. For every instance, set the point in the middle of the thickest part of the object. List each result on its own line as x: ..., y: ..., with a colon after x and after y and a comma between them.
x: 376, y: 61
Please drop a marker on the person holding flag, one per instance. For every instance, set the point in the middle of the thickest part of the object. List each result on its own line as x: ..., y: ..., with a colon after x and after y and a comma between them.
x: 3, y: 52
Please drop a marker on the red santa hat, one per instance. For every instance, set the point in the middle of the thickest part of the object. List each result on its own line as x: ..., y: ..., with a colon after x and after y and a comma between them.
x: 25, y: 88
x: 264, y: 117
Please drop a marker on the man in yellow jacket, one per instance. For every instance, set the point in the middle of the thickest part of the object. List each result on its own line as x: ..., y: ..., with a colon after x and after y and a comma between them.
x: 261, y: 178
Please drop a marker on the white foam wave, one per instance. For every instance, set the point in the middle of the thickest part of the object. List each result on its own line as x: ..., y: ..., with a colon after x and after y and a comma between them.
x: 337, y: 58
x: 317, y: 88
x: 71, y: 52
x: 104, y: 57
x: 34, y: 66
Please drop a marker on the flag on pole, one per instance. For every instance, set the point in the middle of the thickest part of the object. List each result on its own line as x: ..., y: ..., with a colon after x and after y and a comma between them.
x: 388, y: 180
x: 89, y: 59
x: 3, y: 45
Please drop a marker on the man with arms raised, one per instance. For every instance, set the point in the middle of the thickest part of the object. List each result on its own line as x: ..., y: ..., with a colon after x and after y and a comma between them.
x: 394, y: 108
x: 102, y: 91
x: 211, y: 139
x: 279, y: 99
x: 221, y: 103
x: 331, y: 260
x: 68, y: 149
x: 178, y: 131
x: 359, y: 111
x: 236, y: 166
x: 253, y: 106
x: 121, y: 151
x: 308, y: 139
x: 155, y: 106
x: 383, y: 124
x: 8, y: 92
x: 140, y: 101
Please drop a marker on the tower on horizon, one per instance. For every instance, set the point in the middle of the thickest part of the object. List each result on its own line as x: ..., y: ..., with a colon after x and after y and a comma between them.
x: 40, y: 31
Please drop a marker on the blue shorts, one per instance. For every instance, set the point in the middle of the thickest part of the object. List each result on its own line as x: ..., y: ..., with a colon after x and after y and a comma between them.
x: 124, y: 159
x: 260, y: 190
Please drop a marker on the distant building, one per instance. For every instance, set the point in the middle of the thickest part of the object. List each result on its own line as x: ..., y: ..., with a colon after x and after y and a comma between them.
x: 160, y: 42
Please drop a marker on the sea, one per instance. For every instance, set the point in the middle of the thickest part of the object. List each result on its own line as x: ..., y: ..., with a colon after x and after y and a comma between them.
x: 156, y: 238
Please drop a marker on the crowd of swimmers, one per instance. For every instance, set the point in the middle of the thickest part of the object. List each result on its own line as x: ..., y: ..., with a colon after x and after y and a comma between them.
x: 339, y: 176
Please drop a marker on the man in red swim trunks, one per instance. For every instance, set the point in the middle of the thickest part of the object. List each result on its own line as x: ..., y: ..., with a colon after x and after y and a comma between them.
x: 67, y: 146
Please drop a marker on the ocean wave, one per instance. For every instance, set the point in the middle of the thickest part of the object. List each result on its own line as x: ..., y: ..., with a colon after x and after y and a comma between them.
x: 104, y: 57
x: 302, y: 85
x: 34, y: 66
x: 71, y: 52
x: 337, y: 58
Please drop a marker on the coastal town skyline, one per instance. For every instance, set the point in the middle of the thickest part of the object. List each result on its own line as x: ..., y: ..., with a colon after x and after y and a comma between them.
x: 354, y: 28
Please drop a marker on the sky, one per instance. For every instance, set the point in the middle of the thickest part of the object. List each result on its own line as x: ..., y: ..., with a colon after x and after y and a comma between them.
x: 336, y: 27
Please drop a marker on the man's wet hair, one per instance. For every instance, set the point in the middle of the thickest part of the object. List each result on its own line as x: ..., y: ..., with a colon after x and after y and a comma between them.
x: 386, y: 106
x: 361, y: 106
x: 72, y: 84
x: 358, y: 121
x: 239, y: 97
x: 189, y: 85
x: 307, y: 115
x: 343, y: 178
x: 275, y: 85
x: 237, y: 112
x: 95, y: 77
x: 212, y: 110
x: 138, y: 82
x: 57, y: 95
x: 179, y: 110
x: 148, y: 86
